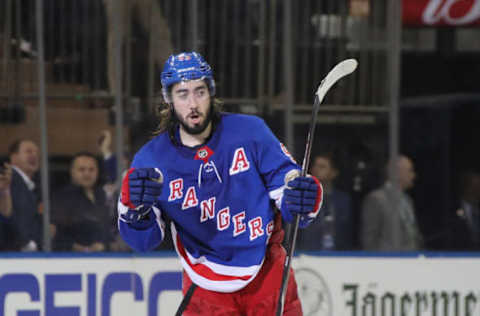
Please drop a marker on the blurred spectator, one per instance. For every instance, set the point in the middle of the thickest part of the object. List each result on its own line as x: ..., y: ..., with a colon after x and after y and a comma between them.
x: 334, y: 230
x: 5, y: 196
x: 111, y: 188
x: 24, y: 226
x: 149, y: 15
x: 79, y: 210
x: 109, y: 166
x: 466, y: 219
x: 109, y: 160
x: 5, y: 202
x: 388, y: 215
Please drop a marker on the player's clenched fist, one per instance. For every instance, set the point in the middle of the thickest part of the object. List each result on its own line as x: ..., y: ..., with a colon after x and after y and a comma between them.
x: 302, y: 196
x: 141, y: 187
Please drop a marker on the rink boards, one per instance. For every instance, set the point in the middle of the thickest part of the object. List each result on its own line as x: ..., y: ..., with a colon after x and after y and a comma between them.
x: 353, y: 283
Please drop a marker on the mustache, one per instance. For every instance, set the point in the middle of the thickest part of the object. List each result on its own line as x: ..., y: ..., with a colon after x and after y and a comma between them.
x: 194, y: 112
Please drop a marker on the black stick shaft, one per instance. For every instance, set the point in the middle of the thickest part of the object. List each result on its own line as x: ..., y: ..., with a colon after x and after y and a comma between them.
x: 311, y: 134
x: 186, y: 300
x: 292, y: 238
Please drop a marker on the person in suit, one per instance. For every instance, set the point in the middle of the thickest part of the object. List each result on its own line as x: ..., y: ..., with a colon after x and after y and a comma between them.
x: 24, y: 225
x: 80, y: 211
x: 388, y: 215
x: 466, y: 218
x: 334, y: 231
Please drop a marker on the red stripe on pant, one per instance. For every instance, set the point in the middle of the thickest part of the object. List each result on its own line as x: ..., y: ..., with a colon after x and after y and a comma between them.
x: 259, y: 297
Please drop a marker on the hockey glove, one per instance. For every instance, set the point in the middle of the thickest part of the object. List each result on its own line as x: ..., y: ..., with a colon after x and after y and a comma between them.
x: 140, y: 189
x: 141, y: 218
x: 302, y: 196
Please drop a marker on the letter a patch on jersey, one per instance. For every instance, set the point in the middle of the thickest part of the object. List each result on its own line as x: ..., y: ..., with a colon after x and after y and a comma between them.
x: 240, y: 162
x: 190, y: 199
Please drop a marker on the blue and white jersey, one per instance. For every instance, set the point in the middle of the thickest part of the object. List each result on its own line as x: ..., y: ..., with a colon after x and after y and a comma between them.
x: 219, y: 197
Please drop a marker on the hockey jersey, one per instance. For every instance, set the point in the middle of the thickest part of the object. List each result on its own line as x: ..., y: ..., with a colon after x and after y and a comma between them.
x: 219, y: 198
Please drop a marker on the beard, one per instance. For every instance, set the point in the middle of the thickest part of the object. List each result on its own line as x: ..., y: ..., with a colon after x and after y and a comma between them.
x: 197, y: 128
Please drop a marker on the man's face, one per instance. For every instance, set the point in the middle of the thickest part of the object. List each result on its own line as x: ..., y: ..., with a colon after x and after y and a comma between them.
x: 191, y: 103
x: 26, y: 159
x: 84, y: 172
x: 323, y: 170
x: 406, y: 173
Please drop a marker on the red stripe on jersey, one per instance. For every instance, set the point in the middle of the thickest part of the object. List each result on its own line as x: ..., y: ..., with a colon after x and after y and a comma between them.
x: 205, y: 271
x: 319, y: 200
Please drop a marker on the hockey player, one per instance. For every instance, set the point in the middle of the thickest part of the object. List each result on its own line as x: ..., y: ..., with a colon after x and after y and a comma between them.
x: 223, y: 174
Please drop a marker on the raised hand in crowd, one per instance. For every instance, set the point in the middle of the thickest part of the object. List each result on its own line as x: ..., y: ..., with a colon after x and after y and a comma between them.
x: 105, y: 144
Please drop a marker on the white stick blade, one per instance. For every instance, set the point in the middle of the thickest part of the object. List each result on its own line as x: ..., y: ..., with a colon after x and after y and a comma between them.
x: 341, y: 70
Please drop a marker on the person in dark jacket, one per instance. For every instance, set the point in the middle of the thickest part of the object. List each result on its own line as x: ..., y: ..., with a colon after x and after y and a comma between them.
x: 23, y: 228
x: 465, y: 222
x: 334, y: 231
x: 80, y: 211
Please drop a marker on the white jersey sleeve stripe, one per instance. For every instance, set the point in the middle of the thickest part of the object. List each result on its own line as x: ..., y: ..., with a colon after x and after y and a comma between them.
x: 277, y: 195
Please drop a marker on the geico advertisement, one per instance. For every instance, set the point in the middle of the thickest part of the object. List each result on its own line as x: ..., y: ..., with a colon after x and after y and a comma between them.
x: 328, y: 286
x: 78, y: 286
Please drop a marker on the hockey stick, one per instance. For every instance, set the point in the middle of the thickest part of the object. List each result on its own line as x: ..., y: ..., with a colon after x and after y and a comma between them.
x: 341, y: 70
x: 186, y: 300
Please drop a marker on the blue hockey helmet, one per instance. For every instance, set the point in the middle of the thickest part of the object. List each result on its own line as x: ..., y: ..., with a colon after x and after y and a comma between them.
x: 184, y: 67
